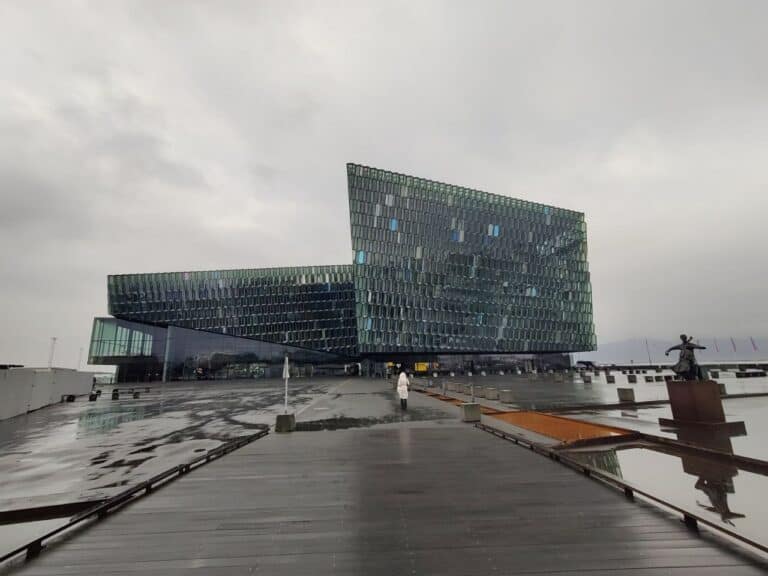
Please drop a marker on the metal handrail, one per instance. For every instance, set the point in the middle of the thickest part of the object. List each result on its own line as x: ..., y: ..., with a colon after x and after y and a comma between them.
x: 108, y: 506
x: 689, y: 518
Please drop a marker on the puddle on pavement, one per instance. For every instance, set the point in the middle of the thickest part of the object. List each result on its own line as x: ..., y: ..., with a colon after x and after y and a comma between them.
x: 720, y: 492
x: 752, y: 411
x: 544, y: 391
x: 88, y: 450
x: 93, y: 450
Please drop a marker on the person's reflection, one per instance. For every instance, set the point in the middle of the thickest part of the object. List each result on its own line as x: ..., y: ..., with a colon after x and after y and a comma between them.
x: 717, y: 492
x: 715, y: 476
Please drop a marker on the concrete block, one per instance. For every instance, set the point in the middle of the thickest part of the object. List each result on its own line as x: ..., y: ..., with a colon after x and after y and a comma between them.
x: 479, y: 391
x: 626, y: 394
x: 285, y: 423
x: 470, y: 412
x: 632, y: 378
x: 482, y: 373
x: 506, y: 396
x: 492, y: 393
x: 434, y: 374
x: 453, y: 374
x: 451, y: 386
x: 469, y: 373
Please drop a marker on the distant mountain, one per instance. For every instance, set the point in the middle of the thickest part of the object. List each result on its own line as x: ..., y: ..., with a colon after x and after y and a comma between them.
x: 634, y: 349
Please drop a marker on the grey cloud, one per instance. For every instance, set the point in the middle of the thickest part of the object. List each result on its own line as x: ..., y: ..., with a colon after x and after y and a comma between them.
x: 137, y: 136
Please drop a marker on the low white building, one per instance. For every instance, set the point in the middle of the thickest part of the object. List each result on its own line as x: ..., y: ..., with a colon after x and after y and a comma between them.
x: 25, y: 389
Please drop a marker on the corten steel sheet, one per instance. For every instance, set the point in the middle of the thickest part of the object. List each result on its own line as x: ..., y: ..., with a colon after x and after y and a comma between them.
x: 419, y: 498
x: 695, y: 400
x: 564, y: 429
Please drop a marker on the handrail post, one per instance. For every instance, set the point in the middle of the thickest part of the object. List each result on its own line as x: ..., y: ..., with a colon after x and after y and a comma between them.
x: 34, y: 549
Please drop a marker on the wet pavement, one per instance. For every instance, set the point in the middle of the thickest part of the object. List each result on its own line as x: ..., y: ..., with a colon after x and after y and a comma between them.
x: 544, y: 391
x: 88, y: 451
x: 752, y: 411
x: 719, y: 492
x: 93, y: 450
x: 417, y: 492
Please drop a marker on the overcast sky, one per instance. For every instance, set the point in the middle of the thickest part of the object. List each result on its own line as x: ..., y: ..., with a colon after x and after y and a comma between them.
x: 158, y: 136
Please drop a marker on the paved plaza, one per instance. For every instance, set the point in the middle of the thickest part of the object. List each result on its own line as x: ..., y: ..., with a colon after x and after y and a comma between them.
x: 415, y: 493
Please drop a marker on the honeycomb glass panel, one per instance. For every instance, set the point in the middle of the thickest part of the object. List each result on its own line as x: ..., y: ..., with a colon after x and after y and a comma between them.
x: 478, y: 272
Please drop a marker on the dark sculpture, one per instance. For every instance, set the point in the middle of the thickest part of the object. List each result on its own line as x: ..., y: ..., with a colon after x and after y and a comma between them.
x: 687, y: 367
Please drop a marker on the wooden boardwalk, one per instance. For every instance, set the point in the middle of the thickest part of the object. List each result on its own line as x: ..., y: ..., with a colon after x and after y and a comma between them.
x: 410, y: 498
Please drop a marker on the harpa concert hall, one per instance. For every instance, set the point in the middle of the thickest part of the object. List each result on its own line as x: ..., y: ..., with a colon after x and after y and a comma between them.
x: 441, y: 276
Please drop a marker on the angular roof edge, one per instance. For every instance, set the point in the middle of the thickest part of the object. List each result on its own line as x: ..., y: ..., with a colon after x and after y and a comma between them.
x: 490, y: 194
x: 314, y: 268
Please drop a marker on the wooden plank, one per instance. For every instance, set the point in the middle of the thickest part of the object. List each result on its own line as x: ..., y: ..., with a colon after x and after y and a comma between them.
x: 425, y: 499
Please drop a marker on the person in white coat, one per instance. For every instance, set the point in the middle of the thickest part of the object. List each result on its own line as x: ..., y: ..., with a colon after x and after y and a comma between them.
x: 402, y: 389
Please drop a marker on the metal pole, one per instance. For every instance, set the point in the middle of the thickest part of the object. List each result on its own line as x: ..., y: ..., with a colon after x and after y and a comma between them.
x: 648, y: 351
x: 53, y: 349
x: 285, y: 376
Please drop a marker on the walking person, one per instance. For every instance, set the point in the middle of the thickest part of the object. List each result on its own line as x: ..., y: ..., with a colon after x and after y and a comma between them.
x: 402, y: 389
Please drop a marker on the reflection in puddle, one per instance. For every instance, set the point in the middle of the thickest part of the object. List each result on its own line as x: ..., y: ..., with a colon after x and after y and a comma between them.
x: 104, y: 420
x: 715, y: 478
x: 715, y: 488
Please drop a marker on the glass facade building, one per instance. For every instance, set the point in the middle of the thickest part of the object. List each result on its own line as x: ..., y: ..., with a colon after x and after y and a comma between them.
x: 146, y: 353
x: 436, y: 269
x: 441, y: 268
x: 311, y: 307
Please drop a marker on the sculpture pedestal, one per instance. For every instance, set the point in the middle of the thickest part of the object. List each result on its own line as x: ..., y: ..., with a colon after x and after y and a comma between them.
x: 696, y: 401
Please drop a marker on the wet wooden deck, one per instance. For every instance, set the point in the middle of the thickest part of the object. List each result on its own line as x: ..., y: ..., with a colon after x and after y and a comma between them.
x: 411, y: 498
